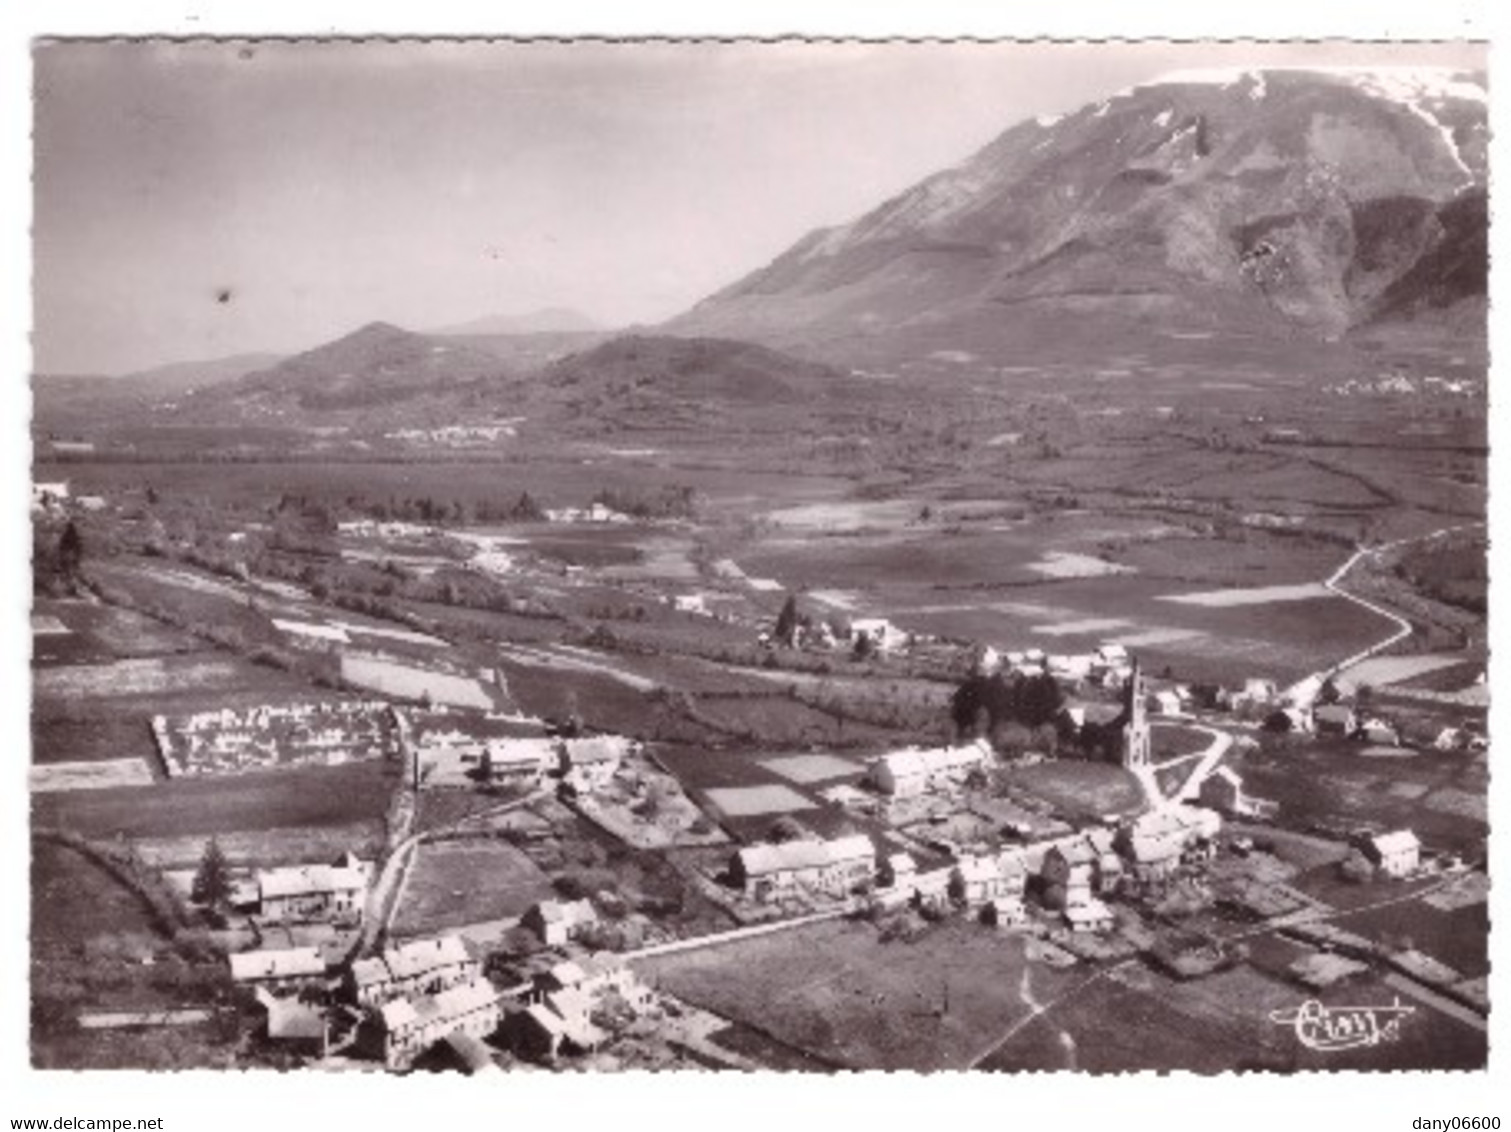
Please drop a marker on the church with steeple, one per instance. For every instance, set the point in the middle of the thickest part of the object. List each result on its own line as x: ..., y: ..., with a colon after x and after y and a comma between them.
x: 1136, y: 729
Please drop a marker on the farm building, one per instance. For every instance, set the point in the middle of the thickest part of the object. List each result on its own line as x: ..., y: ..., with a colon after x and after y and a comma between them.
x: 1222, y: 790
x: 1089, y: 916
x: 1451, y: 739
x: 311, y: 892
x: 588, y: 764
x: 595, y: 977
x: 1004, y: 911
x: 1110, y: 657
x: 1069, y: 668
x: 912, y: 771
x: 543, y: 1030
x: 48, y: 494
x: 424, y: 966
x: 690, y: 603
x: 557, y: 922
x: 298, y: 1025
x: 1156, y: 843
x: 896, y: 869
x: 277, y: 968
x: 1379, y: 732
x: 1396, y: 854
x: 1075, y: 871
x: 410, y: 1026
x: 1256, y: 691
x: 766, y: 872
x: 977, y: 880
x: 883, y: 635
x: 1167, y: 703
x: 1335, y: 719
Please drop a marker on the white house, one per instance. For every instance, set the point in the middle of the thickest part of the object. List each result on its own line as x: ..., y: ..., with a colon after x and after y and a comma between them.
x: 277, y: 968
x: 48, y: 494
x: 1396, y: 854
x: 883, y: 635
x: 1154, y: 844
x: 1166, y: 703
x: 311, y: 892
x: 767, y: 872
x: 1089, y: 916
x: 412, y: 1025
x: 588, y: 764
x: 1378, y: 732
x: 912, y: 771
x: 557, y: 922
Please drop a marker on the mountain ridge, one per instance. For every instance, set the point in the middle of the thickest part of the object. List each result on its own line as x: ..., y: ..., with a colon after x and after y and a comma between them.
x: 1207, y: 201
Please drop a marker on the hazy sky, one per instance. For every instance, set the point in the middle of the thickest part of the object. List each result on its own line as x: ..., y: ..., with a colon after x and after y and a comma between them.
x: 325, y: 186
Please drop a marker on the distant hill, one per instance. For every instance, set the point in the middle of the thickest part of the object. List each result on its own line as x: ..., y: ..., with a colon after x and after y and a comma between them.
x: 548, y: 320
x: 75, y: 400
x: 377, y: 366
x: 639, y: 366
x: 1264, y: 203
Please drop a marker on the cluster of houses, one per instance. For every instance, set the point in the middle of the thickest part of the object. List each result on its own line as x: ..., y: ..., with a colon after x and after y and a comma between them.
x: 592, y: 513
x: 912, y: 771
x: 290, y: 894
x: 1074, y: 872
x: 414, y: 996
x: 227, y: 741
x: 582, y: 763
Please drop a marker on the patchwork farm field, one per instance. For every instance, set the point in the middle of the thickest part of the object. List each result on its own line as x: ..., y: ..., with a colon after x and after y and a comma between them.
x: 837, y: 992
x: 553, y: 480
x: 1441, y: 796
x: 1132, y: 1019
x: 1085, y: 789
x: 462, y: 882
x: 313, y: 796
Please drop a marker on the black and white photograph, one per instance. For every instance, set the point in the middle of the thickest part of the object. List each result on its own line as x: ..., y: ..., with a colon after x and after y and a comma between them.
x: 758, y: 556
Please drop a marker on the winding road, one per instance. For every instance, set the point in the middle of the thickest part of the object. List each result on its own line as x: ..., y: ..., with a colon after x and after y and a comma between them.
x: 1307, y: 687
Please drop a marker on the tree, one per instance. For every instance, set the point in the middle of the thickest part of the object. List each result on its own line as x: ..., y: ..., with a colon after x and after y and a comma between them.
x: 212, y: 881
x: 786, y: 622
x: 786, y: 829
x: 1328, y: 693
x: 70, y: 550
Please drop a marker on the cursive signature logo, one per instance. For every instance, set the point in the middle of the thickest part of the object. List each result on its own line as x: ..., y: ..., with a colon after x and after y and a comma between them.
x: 1332, y: 1028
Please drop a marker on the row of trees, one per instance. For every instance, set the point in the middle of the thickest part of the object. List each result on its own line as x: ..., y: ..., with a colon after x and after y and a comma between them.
x: 982, y: 704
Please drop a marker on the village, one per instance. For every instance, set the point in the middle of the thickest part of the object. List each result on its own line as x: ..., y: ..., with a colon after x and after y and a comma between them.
x: 545, y: 889
x: 554, y: 987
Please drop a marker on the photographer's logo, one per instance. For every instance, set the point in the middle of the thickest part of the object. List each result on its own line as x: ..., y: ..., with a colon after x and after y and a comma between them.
x: 1333, y: 1028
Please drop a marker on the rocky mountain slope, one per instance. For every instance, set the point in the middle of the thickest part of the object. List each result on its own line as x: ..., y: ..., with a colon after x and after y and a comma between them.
x: 1267, y: 203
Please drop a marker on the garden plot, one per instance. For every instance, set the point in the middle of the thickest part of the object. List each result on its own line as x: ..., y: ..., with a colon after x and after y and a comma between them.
x: 136, y: 677
x: 464, y: 882
x: 805, y: 769
x: 836, y: 991
x: 757, y: 801
x: 1070, y: 564
x: 100, y: 775
x: 1467, y: 891
x: 329, y: 633
x: 1258, y: 595
x: 406, y: 681
x: 285, y: 845
x: 1085, y: 626
x: 1382, y: 671
x: 1460, y: 803
x: 406, y: 636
